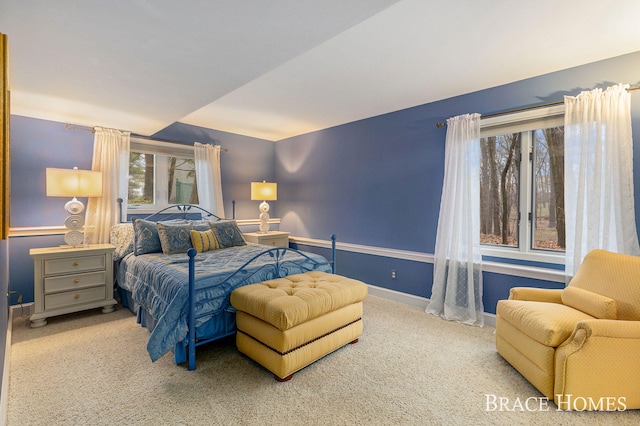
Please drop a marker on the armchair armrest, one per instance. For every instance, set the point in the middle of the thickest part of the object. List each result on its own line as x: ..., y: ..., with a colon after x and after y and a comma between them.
x: 616, y: 329
x: 600, y: 360
x: 535, y: 294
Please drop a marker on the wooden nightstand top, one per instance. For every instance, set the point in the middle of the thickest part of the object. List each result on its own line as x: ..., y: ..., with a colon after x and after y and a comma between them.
x: 69, y: 250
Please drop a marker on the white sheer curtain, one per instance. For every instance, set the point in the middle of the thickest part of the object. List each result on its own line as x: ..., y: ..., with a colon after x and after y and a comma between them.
x: 111, y: 157
x: 457, y: 278
x: 208, y: 177
x: 599, y: 199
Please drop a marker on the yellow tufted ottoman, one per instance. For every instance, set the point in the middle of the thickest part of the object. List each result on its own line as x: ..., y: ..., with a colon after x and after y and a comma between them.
x: 287, y: 323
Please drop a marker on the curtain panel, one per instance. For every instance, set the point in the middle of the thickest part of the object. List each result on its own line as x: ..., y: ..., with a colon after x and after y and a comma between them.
x: 209, y: 177
x: 111, y: 157
x: 457, y: 281
x: 599, y: 195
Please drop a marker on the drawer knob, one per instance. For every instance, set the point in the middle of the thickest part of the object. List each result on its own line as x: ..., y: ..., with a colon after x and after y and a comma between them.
x: 75, y: 263
x: 76, y: 281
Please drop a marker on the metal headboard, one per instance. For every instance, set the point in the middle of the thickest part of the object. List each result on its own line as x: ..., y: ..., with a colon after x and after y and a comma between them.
x: 183, y: 210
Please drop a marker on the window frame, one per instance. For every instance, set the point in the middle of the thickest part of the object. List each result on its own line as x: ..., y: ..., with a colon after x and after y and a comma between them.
x: 524, y: 122
x: 162, y: 150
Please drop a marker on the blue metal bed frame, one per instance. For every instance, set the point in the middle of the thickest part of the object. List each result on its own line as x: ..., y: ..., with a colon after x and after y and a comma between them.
x: 278, y: 269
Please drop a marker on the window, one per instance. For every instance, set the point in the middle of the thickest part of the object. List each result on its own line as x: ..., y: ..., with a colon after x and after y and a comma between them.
x: 161, y: 175
x: 522, y: 185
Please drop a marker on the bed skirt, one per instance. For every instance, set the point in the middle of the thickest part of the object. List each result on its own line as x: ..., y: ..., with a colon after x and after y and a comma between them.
x: 220, y: 325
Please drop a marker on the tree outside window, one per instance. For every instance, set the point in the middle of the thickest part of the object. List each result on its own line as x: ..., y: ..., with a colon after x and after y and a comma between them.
x: 522, y: 190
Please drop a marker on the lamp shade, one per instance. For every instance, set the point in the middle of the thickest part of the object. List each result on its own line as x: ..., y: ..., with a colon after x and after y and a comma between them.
x: 265, y: 191
x: 73, y: 183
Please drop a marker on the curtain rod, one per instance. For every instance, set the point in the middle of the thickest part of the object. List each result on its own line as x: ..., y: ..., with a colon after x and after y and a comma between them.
x: 90, y: 129
x: 440, y: 124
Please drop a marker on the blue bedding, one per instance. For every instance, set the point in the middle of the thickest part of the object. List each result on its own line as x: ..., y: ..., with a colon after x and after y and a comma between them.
x: 159, y: 284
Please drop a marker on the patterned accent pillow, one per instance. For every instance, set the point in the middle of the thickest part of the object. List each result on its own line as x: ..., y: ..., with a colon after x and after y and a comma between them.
x: 228, y: 234
x: 145, y: 237
x: 204, y: 240
x: 175, y: 238
x: 121, y: 236
x: 201, y: 225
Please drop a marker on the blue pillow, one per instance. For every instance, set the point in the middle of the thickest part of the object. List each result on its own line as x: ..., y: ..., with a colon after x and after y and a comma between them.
x: 228, y: 233
x: 145, y: 237
x: 201, y: 225
x: 175, y: 238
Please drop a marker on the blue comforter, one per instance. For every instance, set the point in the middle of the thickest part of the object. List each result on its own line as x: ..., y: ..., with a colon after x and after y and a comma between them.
x: 159, y: 284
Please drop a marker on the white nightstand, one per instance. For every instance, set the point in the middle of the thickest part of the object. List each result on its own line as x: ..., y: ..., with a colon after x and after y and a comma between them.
x: 271, y: 238
x: 70, y: 280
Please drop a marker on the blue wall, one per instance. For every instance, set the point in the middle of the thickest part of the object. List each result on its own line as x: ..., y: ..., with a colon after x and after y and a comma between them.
x: 378, y: 181
x: 38, y: 144
x: 374, y: 182
x: 247, y: 159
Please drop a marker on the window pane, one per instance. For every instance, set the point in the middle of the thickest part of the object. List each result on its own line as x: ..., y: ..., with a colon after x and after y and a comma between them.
x: 499, y: 189
x: 548, y: 194
x: 181, y: 181
x: 141, y: 178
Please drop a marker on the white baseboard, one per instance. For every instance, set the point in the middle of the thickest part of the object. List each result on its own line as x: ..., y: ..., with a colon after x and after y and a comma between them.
x: 23, y: 310
x: 420, y: 302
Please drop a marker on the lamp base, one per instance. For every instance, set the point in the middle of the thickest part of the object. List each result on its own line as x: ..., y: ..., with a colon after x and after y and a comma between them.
x: 264, y: 223
x: 264, y: 217
x: 74, y: 238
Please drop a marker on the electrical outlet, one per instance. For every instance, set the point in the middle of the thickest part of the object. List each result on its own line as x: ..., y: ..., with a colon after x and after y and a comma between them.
x: 393, y: 274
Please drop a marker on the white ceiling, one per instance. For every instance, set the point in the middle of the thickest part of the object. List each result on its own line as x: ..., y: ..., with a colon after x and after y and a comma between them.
x: 280, y: 68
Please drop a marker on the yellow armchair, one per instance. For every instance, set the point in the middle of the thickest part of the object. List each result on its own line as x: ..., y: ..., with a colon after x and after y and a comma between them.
x: 579, y: 346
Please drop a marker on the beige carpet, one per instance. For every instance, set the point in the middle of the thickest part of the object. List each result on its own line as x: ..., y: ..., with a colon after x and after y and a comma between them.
x: 408, y: 368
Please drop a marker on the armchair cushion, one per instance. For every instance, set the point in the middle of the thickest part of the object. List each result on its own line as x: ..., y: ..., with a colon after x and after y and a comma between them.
x: 613, y: 275
x: 548, y: 323
x: 536, y: 294
x: 591, y: 303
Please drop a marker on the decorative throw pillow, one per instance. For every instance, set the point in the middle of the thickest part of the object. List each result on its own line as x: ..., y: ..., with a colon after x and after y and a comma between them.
x: 228, y: 234
x: 174, y: 238
x: 201, y: 225
x: 204, y: 240
x: 145, y: 237
x: 121, y: 236
x: 591, y: 303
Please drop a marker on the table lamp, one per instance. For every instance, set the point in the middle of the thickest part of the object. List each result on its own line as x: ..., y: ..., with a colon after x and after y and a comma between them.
x: 265, y: 191
x: 73, y: 183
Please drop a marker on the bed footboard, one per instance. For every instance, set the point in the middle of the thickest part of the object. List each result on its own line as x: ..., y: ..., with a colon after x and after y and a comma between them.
x: 277, y: 269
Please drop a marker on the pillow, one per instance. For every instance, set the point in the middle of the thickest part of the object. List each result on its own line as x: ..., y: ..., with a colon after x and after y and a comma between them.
x: 201, y: 225
x: 591, y: 303
x: 228, y: 234
x: 174, y: 238
x: 204, y: 240
x: 145, y: 237
x: 121, y: 236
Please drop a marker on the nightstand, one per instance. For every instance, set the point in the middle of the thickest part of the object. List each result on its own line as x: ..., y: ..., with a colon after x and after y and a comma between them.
x: 271, y: 238
x: 71, y: 279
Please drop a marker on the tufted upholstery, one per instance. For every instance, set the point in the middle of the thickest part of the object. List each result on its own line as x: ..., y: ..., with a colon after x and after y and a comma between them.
x: 295, y: 299
x: 287, y: 323
x: 581, y: 343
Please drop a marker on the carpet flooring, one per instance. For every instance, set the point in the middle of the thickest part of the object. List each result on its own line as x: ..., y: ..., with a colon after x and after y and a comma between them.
x: 409, y: 368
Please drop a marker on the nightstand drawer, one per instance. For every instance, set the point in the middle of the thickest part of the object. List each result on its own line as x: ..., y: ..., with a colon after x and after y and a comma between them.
x: 71, y: 282
x: 278, y: 241
x: 273, y: 238
x: 74, y: 264
x: 60, y: 300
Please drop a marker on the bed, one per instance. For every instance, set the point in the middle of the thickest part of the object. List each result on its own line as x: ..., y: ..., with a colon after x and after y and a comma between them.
x: 181, y: 292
